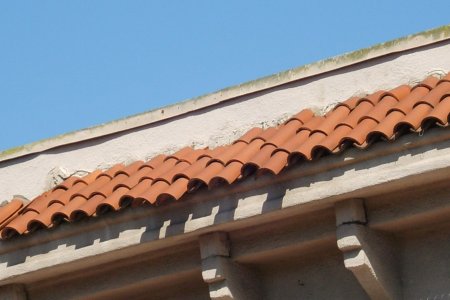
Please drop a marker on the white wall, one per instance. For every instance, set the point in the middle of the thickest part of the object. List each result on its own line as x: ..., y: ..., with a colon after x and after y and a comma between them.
x: 318, y: 276
x: 221, y: 123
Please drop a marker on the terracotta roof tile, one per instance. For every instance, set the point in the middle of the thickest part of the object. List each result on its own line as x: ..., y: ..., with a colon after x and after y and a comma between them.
x: 114, y: 201
x: 194, y: 169
x: 440, y: 114
x: 250, y: 135
x: 44, y: 219
x: 267, y: 133
x: 9, y: 211
x: 349, y: 103
x: 130, y: 169
x: 303, y: 116
x: 358, y: 121
x: 174, y: 192
x: 258, y: 160
x: 18, y: 225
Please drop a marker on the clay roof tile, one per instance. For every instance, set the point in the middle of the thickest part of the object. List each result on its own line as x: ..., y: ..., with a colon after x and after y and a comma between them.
x: 305, y: 136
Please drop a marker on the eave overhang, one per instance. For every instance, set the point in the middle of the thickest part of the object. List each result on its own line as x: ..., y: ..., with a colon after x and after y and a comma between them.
x: 411, y: 161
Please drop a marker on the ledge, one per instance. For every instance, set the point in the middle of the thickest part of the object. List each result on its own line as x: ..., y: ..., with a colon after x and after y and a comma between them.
x: 314, y: 186
x: 190, y: 105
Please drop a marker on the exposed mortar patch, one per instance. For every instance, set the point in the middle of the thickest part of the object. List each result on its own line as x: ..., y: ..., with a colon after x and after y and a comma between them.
x: 58, y: 174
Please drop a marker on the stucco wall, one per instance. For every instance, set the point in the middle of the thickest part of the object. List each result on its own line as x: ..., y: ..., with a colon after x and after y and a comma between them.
x: 425, y: 261
x: 223, y: 122
x: 317, y: 276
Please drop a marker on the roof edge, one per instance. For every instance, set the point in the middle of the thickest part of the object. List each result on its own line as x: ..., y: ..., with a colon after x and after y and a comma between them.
x: 394, y: 46
x: 430, y: 165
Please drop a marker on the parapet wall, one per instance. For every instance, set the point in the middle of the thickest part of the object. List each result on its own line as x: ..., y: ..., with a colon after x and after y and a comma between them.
x: 221, y: 117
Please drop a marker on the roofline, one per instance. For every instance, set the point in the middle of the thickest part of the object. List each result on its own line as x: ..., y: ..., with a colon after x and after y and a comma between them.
x: 394, y: 46
x: 387, y: 168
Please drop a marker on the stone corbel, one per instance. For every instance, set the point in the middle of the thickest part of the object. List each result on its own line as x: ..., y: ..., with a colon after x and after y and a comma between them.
x: 369, y: 255
x: 225, y: 278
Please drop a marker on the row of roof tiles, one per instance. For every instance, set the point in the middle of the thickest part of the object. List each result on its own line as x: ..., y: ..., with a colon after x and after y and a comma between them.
x: 358, y: 121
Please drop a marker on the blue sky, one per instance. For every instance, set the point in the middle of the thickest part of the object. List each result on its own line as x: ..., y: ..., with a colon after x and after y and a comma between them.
x: 67, y: 65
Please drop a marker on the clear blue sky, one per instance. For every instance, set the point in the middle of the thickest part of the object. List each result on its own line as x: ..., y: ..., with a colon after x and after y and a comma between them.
x: 67, y: 65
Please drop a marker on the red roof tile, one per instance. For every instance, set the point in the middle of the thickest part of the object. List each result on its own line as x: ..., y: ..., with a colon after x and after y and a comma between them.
x: 383, y: 115
x: 9, y: 211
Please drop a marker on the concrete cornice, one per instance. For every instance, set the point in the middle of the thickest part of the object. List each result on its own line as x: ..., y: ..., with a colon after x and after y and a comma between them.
x: 357, y: 174
x: 395, y: 46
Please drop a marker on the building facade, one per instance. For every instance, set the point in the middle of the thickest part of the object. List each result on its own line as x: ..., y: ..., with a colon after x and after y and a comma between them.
x: 327, y: 181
